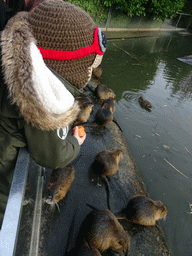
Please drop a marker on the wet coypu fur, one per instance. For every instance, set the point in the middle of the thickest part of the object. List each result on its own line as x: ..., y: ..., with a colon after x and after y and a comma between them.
x: 59, y: 184
x: 84, y: 114
x: 144, y: 211
x: 102, y: 231
x: 97, y: 72
x: 109, y: 104
x: 103, y: 92
x: 104, y: 115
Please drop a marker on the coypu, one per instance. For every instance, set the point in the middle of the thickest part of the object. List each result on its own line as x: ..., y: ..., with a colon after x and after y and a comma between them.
x: 59, y: 184
x: 109, y: 104
x: 102, y: 231
x: 144, y: 211
x: 106, y: 163
x: 103, y: 92
x: 97, y: 72
x: 84, y: 113
x: 144, y: 103
x: 103, y: 117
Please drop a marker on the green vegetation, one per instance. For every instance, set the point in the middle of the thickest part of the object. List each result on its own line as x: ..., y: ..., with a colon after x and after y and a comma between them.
x: 95, y: 9
x: 153, y: 9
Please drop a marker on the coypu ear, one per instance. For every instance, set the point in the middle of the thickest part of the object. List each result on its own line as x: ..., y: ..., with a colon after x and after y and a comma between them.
x: 119, y: 151
x: 123, y: 243
x: 161, y: 206
x: 123, y: 247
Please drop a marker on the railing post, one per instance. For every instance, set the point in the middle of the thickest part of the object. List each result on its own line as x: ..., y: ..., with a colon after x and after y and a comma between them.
x: 178, y: 20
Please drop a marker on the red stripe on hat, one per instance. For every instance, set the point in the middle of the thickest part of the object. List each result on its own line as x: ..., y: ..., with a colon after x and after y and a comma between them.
x: 71, y: 55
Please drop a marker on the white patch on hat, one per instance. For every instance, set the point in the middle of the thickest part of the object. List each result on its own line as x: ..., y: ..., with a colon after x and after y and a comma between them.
x: 51, y: 91
x: 97, y: 61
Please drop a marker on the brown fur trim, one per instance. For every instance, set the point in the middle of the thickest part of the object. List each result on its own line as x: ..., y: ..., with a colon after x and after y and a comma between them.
x: 17, y: 67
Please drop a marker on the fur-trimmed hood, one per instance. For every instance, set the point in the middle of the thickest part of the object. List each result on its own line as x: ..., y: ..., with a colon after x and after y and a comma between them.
x: 41, y: 97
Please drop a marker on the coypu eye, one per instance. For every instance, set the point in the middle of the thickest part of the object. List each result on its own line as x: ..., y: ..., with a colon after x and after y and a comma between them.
x: 164, y: 209
x: 121, y: 243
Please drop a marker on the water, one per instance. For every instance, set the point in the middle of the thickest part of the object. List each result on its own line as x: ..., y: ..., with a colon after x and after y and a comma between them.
x: 160, y: 141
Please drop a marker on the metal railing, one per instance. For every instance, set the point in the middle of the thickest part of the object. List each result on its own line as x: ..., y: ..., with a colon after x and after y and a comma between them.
x: 11, y: 221
x: 180, y: 16
x: 13, y: 214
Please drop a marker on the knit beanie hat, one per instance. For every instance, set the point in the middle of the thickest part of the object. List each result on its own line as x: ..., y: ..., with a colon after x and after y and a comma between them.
x: 68, y: 40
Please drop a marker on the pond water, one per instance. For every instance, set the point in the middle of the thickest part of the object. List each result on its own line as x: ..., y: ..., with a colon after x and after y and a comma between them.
x: 160, y: 141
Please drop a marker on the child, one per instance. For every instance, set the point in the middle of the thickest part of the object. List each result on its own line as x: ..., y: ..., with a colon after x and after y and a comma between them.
x: 36, y: 109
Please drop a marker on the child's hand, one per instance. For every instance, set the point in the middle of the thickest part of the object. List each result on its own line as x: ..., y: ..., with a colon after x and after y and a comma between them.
x: 79, y: 133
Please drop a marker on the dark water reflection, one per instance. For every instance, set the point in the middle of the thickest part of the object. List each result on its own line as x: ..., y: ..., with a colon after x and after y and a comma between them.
x: 161, y: 140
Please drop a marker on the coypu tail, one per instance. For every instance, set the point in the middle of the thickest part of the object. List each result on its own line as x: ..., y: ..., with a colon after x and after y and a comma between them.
x: 92, y: 207
x: 109, y: 192
x: 115, y: 121
x: 104, y: 178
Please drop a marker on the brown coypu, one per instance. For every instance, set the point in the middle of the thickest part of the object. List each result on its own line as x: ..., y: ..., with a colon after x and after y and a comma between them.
x: 102, y: 231
x: 84, y: 113
x: 106, y: 162
x: 109, y: 104
x: 103, y: 117
x: 59, y: 184
x: 97, y: 72
x: 144, y: 211
x: 103, y: 92
x: 144, y: 103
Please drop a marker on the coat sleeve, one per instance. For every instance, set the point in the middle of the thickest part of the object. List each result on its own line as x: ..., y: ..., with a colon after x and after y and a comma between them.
x: 52, y: 149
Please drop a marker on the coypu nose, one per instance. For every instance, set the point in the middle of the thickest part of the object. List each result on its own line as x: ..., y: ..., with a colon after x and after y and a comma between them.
x: 48, y: 200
